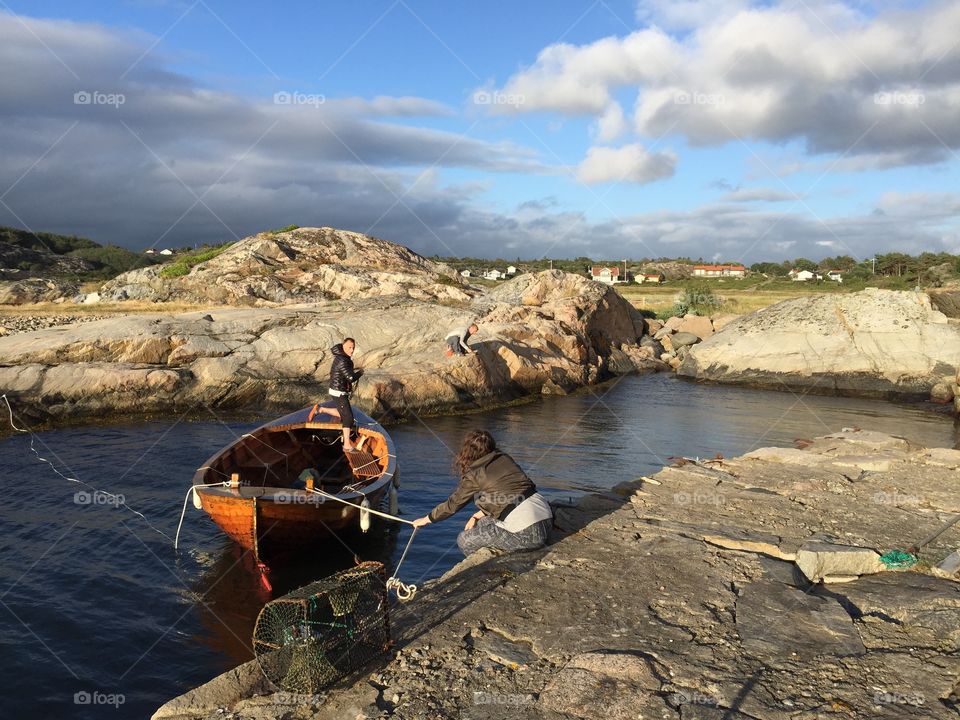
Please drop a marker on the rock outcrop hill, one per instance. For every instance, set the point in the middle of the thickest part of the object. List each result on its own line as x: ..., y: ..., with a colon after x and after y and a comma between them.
x: 296, y: 266
x: 874, y: 343
x: 550, y: 332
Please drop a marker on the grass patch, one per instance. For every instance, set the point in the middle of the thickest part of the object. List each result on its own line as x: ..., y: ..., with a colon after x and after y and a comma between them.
x: 182, y: 265
x: 288, y: 228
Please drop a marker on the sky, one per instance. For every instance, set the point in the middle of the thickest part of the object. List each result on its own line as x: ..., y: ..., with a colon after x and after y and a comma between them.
x: 718, y: 129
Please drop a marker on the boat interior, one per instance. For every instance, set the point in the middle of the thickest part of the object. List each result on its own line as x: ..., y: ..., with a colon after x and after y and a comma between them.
x: 277, y: 457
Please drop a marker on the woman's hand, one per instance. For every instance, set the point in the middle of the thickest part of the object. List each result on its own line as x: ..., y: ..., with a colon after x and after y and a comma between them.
x: 473, y: 520
x: 420, y: 522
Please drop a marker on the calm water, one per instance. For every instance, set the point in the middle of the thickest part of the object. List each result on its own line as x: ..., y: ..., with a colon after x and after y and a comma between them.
x: 94, y: 600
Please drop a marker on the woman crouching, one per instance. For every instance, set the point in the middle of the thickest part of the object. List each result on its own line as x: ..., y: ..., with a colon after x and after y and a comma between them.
x: 512, y: 516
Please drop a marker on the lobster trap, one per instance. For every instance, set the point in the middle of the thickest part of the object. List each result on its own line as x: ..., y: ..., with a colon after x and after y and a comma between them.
x: 313, y: 636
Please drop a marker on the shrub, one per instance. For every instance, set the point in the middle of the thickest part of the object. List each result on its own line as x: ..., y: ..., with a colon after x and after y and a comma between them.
x: 288, y: 228
x: 182, y: 265
x: 697, y: 298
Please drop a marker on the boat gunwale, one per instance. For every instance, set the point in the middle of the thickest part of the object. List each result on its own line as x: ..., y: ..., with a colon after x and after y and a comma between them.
x: 295, y: 421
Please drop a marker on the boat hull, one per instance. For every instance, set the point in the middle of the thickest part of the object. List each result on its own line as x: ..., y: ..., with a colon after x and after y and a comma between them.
x: 266, y: 526
x: 255, y: 489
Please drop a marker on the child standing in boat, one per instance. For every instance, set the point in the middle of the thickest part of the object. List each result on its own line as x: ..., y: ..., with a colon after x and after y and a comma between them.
x: 512, y: 516
x: 342, y: 379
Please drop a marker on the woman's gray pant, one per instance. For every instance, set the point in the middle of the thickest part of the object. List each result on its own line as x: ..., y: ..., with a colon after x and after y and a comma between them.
x: 486, y: 533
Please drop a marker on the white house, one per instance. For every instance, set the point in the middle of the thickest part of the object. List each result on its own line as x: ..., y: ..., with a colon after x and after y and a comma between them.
x: 511, y: 270
x: 655, y: 278
x: 606, y: 275
x: 494, y: 275
x: 148, y: 251
x: 719, y: 271
x: 466, y: 273
x: 835, y: 275
x: 166, y: 251
x: 803, y: 275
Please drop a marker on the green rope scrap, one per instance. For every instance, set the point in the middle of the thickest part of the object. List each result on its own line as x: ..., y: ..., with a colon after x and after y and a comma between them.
x: 898, y: 559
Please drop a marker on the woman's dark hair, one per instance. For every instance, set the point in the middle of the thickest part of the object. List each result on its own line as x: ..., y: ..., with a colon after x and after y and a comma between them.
x: 476, y: 444
x: 346, y: 340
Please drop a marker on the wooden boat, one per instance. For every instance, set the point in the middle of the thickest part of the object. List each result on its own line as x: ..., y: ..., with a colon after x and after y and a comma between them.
x: 256, y: 492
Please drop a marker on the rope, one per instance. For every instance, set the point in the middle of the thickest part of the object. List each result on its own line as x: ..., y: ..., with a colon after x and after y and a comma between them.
x: 119, y: 499
x: 898, y: 559
x: 405, y: 592
x: 183, y: 511
x: 388, y: 516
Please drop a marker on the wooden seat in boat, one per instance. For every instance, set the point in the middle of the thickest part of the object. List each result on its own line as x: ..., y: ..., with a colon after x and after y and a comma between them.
x: 363, y: 464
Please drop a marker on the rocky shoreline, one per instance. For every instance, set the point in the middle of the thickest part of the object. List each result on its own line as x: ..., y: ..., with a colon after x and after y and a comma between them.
x: 745, y: 589
x: 16, y: 324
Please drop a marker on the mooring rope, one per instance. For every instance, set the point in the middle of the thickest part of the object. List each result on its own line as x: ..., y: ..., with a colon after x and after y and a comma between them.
x: 183, y: 510
x: 405, y: 591
x: 119, y: 499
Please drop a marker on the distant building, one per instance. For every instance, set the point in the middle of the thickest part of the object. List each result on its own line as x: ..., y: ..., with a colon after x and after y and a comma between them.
x: 511, y: 270
x: 466, y: 273
x: 148, y: 251
x: 835, y: 275
x: 655, y: 278
x: 718, y: 271
x: 606, y: 275
x: 494, y: 275
x: 803, y: 275
x: 166, y: 251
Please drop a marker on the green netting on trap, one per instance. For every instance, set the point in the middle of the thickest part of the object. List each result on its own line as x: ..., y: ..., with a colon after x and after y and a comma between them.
x: 313, y: 636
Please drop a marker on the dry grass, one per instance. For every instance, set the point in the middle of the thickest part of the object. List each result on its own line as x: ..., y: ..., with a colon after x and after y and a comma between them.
x: 131, y: 307
x: 735, y: 300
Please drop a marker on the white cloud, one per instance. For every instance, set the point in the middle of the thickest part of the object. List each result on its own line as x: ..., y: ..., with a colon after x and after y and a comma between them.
x: 612, y: 124
x: 630, y: 163
x: 682, y: 14
x: 884, y: 85
x: 759, y: 195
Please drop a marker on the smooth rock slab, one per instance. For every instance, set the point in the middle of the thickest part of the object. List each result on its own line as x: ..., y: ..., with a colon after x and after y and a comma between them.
x: 818, y: 560
x: 613, y: 686
x: 697, y: 325
x: 777, y: 622
x: 509, y: 654
x: 683, y: 339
